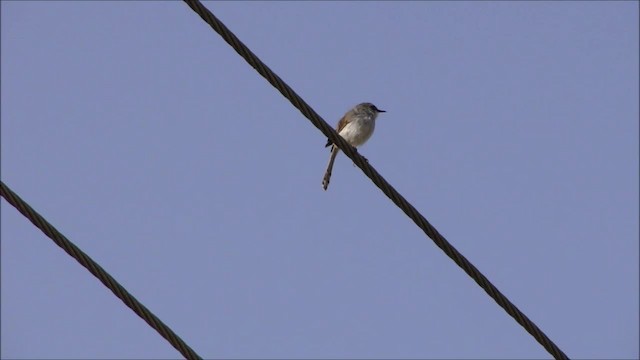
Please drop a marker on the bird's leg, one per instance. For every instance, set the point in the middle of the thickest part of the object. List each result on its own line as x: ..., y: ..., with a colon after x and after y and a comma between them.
x: 365, y: 159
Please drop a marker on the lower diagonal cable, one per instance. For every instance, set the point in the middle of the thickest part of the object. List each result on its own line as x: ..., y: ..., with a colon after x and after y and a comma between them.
x: 97, y: 271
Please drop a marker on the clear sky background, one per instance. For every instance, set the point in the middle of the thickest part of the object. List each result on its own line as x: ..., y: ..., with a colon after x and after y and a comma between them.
x: 146, y: 140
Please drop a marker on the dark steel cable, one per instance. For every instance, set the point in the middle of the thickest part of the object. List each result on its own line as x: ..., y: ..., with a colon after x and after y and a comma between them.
x: 381, y: 183
x: 97, y: 271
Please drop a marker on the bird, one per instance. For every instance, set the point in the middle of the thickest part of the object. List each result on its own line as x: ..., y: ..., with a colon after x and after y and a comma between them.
x: 356, y: 127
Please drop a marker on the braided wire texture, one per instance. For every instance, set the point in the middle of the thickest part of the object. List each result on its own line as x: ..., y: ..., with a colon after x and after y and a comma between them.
x: 97, y: 271
x: 377, y: 179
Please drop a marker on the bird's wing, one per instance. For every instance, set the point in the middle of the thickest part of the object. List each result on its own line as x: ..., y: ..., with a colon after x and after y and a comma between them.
x: 341, y: 124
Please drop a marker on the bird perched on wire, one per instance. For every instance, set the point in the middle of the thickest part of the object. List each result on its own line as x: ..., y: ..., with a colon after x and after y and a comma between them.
x: 356, y: 127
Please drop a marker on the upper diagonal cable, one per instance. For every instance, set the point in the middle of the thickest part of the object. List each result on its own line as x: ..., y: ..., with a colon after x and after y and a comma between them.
x: 380, y: 182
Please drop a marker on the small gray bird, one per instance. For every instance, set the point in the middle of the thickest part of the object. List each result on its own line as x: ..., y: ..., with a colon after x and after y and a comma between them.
x: 356, y: 127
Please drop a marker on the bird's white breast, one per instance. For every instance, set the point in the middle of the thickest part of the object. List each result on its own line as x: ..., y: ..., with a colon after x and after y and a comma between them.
x: 358, y: 131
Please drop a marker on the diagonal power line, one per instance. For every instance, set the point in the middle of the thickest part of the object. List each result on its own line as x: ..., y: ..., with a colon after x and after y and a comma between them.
x: 378, y: 180
x: 97, y: 271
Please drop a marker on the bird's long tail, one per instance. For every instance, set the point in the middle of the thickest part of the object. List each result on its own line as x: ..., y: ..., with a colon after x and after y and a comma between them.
x: 327, y: 174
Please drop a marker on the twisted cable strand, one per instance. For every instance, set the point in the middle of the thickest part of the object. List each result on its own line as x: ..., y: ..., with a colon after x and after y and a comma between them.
x: 97, y: 271
x: 377, y: 179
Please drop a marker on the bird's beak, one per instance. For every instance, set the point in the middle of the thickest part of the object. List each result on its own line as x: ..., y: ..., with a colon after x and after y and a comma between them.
x: 381, y: 110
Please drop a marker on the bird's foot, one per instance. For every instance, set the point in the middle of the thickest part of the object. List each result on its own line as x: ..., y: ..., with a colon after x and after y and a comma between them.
x: 365, y: 159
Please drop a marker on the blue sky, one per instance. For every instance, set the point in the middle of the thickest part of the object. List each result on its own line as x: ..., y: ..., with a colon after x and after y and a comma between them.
x: 146, y: 140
